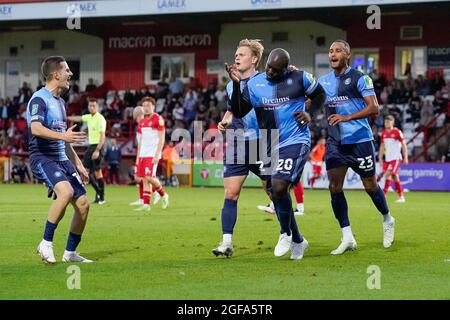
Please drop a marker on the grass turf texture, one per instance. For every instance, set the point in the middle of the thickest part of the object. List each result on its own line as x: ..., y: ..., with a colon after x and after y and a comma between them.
x: 166, y: 254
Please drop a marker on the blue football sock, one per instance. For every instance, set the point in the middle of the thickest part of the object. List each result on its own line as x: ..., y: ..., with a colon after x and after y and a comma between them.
x: 72, y: 241
x: 229, y: 216
x: 49, y: 231
x: 296, y: 235
x: 283, y: 207
x: 340, y: 208
x: 379, y: 200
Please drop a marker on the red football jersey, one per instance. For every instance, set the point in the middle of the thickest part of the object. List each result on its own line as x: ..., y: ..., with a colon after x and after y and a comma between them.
x: 148, y: 129
x: 392, y: 144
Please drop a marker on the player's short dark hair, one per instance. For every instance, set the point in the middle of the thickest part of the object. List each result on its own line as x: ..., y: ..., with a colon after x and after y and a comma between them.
x: 389, y: 117
x: 148, y: 99
x: 50, y: 65
x: 92, y: 100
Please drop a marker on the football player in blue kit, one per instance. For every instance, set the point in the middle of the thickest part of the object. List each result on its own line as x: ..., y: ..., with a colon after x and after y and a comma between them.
x: 277, y: 97
x: 350, y: 101
x: 242, y: 136
x: 53, y: 160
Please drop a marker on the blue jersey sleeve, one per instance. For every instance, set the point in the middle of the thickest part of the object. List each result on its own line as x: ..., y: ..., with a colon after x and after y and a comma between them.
x: 37, y: 109
x: 309, y: 82
x: 365, y: 86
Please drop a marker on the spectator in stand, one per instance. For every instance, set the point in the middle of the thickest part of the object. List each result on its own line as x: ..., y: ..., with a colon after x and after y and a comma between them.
x: 169, y: 156
x: 39, y: 86
x: 113, y: 157
x: 407, y: 70
x: 178, y: 112
x: 90, y: 86
x: 4, y: 113
x: 446, y: 157
x: 209, y: 94
x: 24, y: 94
x: 176, y: 86
x: 426, y: 114
x: 129, y: 100
x: 439, y: 103
x: 142, y: 94
x: 436, y: 83
x: 20, y: 172
x: 202, y: 113
x: 379, y: 83
x: 190, y: 105
x: 11, y: 132
x: 384, y: 95
x: 446, y: 91
x: 162, y: 88
x: 415, y: 105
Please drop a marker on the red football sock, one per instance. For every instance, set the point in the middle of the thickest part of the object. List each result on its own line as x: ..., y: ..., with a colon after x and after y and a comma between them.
x: 161, y: 191
x: 141, y: 190
x: 399, y: 188
x: 299, y: 192
x: 387, y: 184
x: 146, y: 197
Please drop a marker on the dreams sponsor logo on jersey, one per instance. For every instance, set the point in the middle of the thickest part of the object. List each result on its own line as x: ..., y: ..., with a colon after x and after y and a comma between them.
x: 59, y: 126
x: 275, y: 100
x: 335, y: 101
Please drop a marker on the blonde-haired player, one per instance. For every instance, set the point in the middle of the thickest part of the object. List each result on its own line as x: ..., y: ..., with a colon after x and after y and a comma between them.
x: 236, y: 166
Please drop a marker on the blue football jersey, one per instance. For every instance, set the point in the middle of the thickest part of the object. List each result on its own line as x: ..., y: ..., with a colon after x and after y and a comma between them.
x: 51, y: 112
x: 248, y: 124
x: 345, y: 95
x: 275, y: 104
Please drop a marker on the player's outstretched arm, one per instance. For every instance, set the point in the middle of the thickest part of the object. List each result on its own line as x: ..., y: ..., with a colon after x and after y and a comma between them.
x: 240, y: 105
x: 74, y: 118
x: 239, y: 101
x: 73, y: 157
x: 38, y: 130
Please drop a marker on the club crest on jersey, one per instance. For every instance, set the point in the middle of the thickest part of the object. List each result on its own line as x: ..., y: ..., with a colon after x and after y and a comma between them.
x: 347, y: 81
x: 289, y: 82
x: 34, y: 109
x: 161, y: 122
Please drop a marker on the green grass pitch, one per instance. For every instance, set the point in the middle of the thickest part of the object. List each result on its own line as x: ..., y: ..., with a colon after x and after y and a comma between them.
x: 166, y: 254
